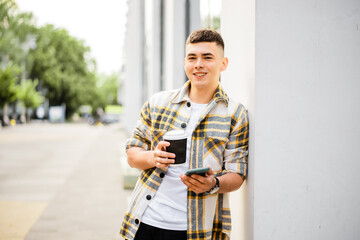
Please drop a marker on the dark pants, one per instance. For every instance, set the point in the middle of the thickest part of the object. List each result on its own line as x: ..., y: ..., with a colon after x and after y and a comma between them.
x: 147, y: 232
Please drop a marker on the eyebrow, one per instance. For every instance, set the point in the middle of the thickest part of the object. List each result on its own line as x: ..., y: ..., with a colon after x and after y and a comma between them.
x: 203, y: 54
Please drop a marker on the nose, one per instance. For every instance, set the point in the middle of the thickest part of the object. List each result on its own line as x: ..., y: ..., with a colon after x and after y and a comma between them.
x: 199, y: 63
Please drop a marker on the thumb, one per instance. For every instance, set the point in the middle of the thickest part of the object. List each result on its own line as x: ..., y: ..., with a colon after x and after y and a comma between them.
x: 210, y: 172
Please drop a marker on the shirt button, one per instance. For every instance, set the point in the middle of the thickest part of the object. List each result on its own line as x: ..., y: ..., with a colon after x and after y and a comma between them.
x: 137, y: 221
x: 188, y: 104
x: 148, y: 197
x: 162, y: 175
x: 183, y: 125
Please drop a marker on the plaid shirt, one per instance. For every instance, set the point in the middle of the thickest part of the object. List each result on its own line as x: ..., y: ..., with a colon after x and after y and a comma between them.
x: 220, y: 140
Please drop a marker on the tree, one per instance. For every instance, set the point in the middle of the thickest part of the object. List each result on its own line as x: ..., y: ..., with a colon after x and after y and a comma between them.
x: 8, y: 78
x: 7, y: 8
x: 66, y: 73
x: 15, y: 29
x: 60, y: 64
x: 212, y: 22
x: 105, y: 92
x: 108, y: 86
x: 28, y: 96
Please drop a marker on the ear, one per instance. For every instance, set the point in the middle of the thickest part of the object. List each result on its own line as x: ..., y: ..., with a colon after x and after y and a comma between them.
x: 224, y: 64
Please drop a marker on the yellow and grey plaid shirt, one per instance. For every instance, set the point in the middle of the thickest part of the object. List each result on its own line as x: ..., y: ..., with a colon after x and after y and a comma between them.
x: 220, y: 140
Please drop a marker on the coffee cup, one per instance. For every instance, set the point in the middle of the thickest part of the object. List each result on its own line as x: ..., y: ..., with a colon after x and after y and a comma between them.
x: 177, y: 140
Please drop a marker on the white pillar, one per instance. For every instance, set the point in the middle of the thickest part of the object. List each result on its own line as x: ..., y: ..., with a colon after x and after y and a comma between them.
x: 238, y: 31
x: 133, y: 73
x: 152, y: 45
x: 302, y: 96
x: 174, y: 43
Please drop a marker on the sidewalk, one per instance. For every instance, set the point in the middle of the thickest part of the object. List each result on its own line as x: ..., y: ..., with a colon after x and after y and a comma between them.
x: 65, y: 181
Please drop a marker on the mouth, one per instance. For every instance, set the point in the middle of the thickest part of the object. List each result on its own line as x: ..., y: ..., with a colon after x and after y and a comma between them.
x: 199, y: 74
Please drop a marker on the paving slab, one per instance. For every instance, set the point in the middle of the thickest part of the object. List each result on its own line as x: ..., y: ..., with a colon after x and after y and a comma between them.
x: 73, y: 171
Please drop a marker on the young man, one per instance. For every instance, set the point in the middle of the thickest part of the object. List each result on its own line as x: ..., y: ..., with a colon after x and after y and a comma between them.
x: 166, y: 203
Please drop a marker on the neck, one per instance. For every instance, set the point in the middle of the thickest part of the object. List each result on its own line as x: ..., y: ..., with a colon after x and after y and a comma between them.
x: 201, y: 96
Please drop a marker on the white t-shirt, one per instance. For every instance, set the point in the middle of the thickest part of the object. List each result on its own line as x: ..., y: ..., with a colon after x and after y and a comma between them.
x: 168, y: 209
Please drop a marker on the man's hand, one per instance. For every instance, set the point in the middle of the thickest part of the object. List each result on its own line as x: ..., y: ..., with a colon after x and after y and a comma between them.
x: 199, y: 184
x: 161, y: 158
x: 142, y: 159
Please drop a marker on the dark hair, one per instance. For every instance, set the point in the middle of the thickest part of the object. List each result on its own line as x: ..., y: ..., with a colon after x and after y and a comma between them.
x: 206, y: 35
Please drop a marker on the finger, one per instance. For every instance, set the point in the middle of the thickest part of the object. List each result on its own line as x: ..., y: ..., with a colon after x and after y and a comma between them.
x: 197, y: 178
x: 193, y: 181
x: 197, y: 189
x: 162, y: 144
x: 162, y: 166
x: 167, y: 155
x: 210, y: 172
x: 164, y: 160
x: 193, y: 187
x: 196, y: 183
x: 185, y: 180
x: 163, y: 154
x: 163, y: 163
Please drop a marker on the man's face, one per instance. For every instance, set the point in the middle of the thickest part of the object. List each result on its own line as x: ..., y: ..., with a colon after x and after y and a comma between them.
x: 203, y: 64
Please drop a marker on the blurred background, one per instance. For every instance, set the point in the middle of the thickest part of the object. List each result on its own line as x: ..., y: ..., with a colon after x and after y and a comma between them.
x: 75, y: 60
x: 74, y: 75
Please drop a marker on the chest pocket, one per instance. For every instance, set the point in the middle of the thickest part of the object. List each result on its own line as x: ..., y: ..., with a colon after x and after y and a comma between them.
x: 214, y: 147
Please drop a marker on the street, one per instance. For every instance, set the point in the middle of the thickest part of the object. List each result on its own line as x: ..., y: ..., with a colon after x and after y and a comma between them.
x: 61, y: 181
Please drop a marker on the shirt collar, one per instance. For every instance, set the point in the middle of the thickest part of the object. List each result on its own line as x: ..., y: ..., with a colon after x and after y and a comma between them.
x: 183, y: 94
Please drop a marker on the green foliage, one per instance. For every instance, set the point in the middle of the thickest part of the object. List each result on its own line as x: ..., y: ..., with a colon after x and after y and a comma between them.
x: 114, y: 109
x: 59, y: 63
x: 7, y: 8
x: 106, y: 91
x: 8, y: 78
x: 211, y: 22
x: 109, y: 86
x: 16, y: 30
x: 27, y: 94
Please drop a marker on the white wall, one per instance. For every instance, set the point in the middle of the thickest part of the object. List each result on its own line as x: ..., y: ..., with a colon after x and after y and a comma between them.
x: 303, y: 104
x: 174, y: 43
x: 133, y: 64
x: 153, y: 49
x: 238, y: 31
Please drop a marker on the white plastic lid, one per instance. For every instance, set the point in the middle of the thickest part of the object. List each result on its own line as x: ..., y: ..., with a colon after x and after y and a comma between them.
x: 175, y: 135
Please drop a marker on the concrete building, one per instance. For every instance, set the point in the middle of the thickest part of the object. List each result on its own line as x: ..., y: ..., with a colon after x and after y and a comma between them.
x: 154, y: 49
x: 295, y: 65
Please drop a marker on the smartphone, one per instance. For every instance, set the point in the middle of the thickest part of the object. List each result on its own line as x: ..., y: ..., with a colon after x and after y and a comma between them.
x: 198, y: 171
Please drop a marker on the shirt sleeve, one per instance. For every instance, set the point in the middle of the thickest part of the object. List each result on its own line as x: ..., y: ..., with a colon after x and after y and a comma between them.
x: 140, y: 136
x: 236, y: 151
